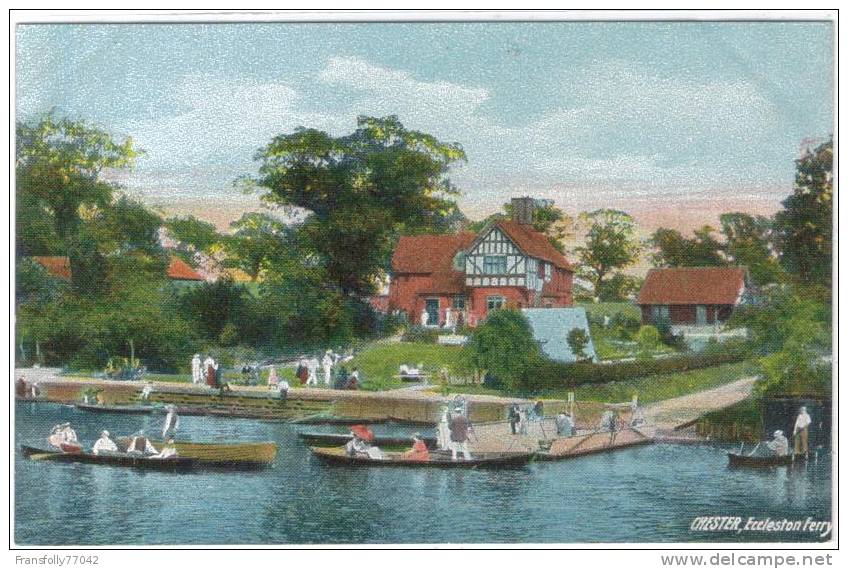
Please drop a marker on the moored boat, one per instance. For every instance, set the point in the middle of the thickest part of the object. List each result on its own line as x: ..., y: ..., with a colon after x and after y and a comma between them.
x: 439, y: 459
x: 337, y: 439
x: 233, y: 455
x: 763, y: 461
x: 127, y: 409
x: 173, y: 464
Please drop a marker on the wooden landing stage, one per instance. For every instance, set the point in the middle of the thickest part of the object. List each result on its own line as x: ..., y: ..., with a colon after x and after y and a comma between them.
x: 590, y: 443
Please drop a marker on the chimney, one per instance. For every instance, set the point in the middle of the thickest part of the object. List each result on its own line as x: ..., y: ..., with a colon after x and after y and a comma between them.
x: 522, y: 210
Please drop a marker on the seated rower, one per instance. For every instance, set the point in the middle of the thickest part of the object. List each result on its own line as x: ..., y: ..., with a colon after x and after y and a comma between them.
x: 360, y: 444
x: 104, y: 444
x: 779, y: 444
x: 141, y: 445
x: 419, y: 450
x: 168, y: 450
x: 62, y: 434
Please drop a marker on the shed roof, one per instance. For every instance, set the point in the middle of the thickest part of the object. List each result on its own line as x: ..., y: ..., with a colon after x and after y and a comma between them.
x: 551, y: 327
x: 693, y: 285
x: 60, y: 267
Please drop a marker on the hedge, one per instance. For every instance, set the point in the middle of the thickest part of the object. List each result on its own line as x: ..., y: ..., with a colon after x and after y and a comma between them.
x: 554, y: 375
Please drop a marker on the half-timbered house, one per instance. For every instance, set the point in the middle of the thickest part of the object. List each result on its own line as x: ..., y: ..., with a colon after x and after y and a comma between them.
x: 460, y: 278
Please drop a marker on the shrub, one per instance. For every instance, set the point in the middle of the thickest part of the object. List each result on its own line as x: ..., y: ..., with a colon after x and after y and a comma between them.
x: 578, y: 339
x: 421, y: 335
x: 504, y: 346
x: 648, y: 337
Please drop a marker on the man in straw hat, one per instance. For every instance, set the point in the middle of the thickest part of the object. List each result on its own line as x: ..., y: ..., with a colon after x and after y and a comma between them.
x: 459, y: 427
x: 779, y: 444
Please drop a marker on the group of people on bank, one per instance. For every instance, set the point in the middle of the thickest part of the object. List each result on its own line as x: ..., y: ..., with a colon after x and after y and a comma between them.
x: 206, y: 371
x: 333, y: 373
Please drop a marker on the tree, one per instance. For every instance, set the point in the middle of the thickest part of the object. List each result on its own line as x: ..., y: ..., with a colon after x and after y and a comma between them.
x: 193, y: 233
x: 257, y: 239
x: 359, y: 192
x: 578, y: 340
x: 672, y: 249
x: 58, y: 166
x: 610, y: 243
x: 748, y: 243
x: 804, y: 228
x: 504, y: 347
x: 619, y: 288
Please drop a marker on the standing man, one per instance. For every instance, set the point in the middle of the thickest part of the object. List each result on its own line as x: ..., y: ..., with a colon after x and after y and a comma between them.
x: 327, y: 366
x: 801, y: 432
x: 196, y: 367
x: 514, y: 418
x: 459, y: 427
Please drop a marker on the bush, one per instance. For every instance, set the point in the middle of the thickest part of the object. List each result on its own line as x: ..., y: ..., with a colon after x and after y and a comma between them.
x: 548, y: 375
x: 421, y: 335
x: 648, y: 337
x: 504, y: 347
x: 578, y: 339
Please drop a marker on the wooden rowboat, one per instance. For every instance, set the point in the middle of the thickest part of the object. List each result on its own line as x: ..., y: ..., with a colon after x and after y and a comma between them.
x: 126, y: 409
x: 438, y: 459
x: 230, y: 455
x: 173, y: 464
x: 763, y: 461
x: 337, y: 439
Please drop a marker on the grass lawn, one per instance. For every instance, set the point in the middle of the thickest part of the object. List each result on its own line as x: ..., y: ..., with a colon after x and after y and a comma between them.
x: 379, y: 363
x: 601, y: 309
x: 609, y: 344
x: 649, y: 389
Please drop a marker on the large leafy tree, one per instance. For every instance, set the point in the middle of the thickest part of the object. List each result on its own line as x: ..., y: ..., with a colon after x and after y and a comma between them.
x: 672, y: 249
x: 257, y: 239
x: 748, y: 242
x: 610, y: 244
x: 359, y: 192
x: 804, y: 228
x: 58, y: 170
x: 504, y: 347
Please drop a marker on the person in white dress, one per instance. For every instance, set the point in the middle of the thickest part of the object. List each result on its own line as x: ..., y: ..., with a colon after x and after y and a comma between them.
x: 312, y: 366
x: 168, y: 450
x: 443, y: 432
x: 273, y: 379
x: 104, y: 444
x: 327, y: 366
x: 448, y: 317
x: 196, y: 369
x: 425, y: 318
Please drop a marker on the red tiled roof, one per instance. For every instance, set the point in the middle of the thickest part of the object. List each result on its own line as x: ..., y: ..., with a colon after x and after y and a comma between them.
x: 179, y: 270
x: 429, y: 253
x: 452, y: 282
x: 533, y: 243
x: 60, y: 267
x: 693, y: 285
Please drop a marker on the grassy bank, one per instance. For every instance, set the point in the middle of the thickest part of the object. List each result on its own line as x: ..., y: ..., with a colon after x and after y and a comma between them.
x: 614, y: 343
x: 379, y: 363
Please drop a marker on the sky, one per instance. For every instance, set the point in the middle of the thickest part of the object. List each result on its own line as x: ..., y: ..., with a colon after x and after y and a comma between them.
x: 673, y: 122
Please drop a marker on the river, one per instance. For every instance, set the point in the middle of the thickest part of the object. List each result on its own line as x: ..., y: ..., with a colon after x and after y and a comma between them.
x: 643, y: 494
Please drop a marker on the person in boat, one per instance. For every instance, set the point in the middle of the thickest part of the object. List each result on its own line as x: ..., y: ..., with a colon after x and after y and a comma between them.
x: 360, y: 444
x: 779, y: 445
x: 196, y: 369
x: 168, y: 450
x: 419, y: 450
x: 459, y: 428
x: 63, y: 434
x: 327, y: 366
x: 172, y: 422
x: 564, y: 424
x: 514, y: 417
x: 21, y: 388
x: 141, y: 445
x: 104, y: 444
x: 801, y: 432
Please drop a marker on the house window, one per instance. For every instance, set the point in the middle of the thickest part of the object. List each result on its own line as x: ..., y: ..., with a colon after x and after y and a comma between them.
x: 659, y: 313
x: 459, y: 261
x: 494, y: 302
x: 494, y: 264
x: 459, y: 303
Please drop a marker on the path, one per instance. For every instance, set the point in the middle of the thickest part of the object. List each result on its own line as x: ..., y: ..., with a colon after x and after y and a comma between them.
x: 671, y: 414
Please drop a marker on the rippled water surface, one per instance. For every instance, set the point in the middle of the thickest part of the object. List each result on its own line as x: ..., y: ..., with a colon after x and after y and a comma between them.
x: 643, y: 494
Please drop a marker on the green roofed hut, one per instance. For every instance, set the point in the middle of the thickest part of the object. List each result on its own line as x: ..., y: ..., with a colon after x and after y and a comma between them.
x: 551, y: 327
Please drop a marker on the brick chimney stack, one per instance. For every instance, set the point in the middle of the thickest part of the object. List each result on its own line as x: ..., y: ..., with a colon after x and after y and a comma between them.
x: 522, y: 210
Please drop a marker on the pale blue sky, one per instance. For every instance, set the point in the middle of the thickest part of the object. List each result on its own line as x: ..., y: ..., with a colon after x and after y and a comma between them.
x: 637, y: 115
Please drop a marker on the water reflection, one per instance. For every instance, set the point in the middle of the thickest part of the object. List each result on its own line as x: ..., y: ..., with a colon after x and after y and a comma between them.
x: 648, y: 493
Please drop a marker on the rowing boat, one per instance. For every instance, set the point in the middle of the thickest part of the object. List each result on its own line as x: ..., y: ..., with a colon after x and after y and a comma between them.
x: 127, y: 409
x: 763, y: 461
x: 337, y: 439
x: 172, y: 464
x: 437, y: 459
x: 232, y: 455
